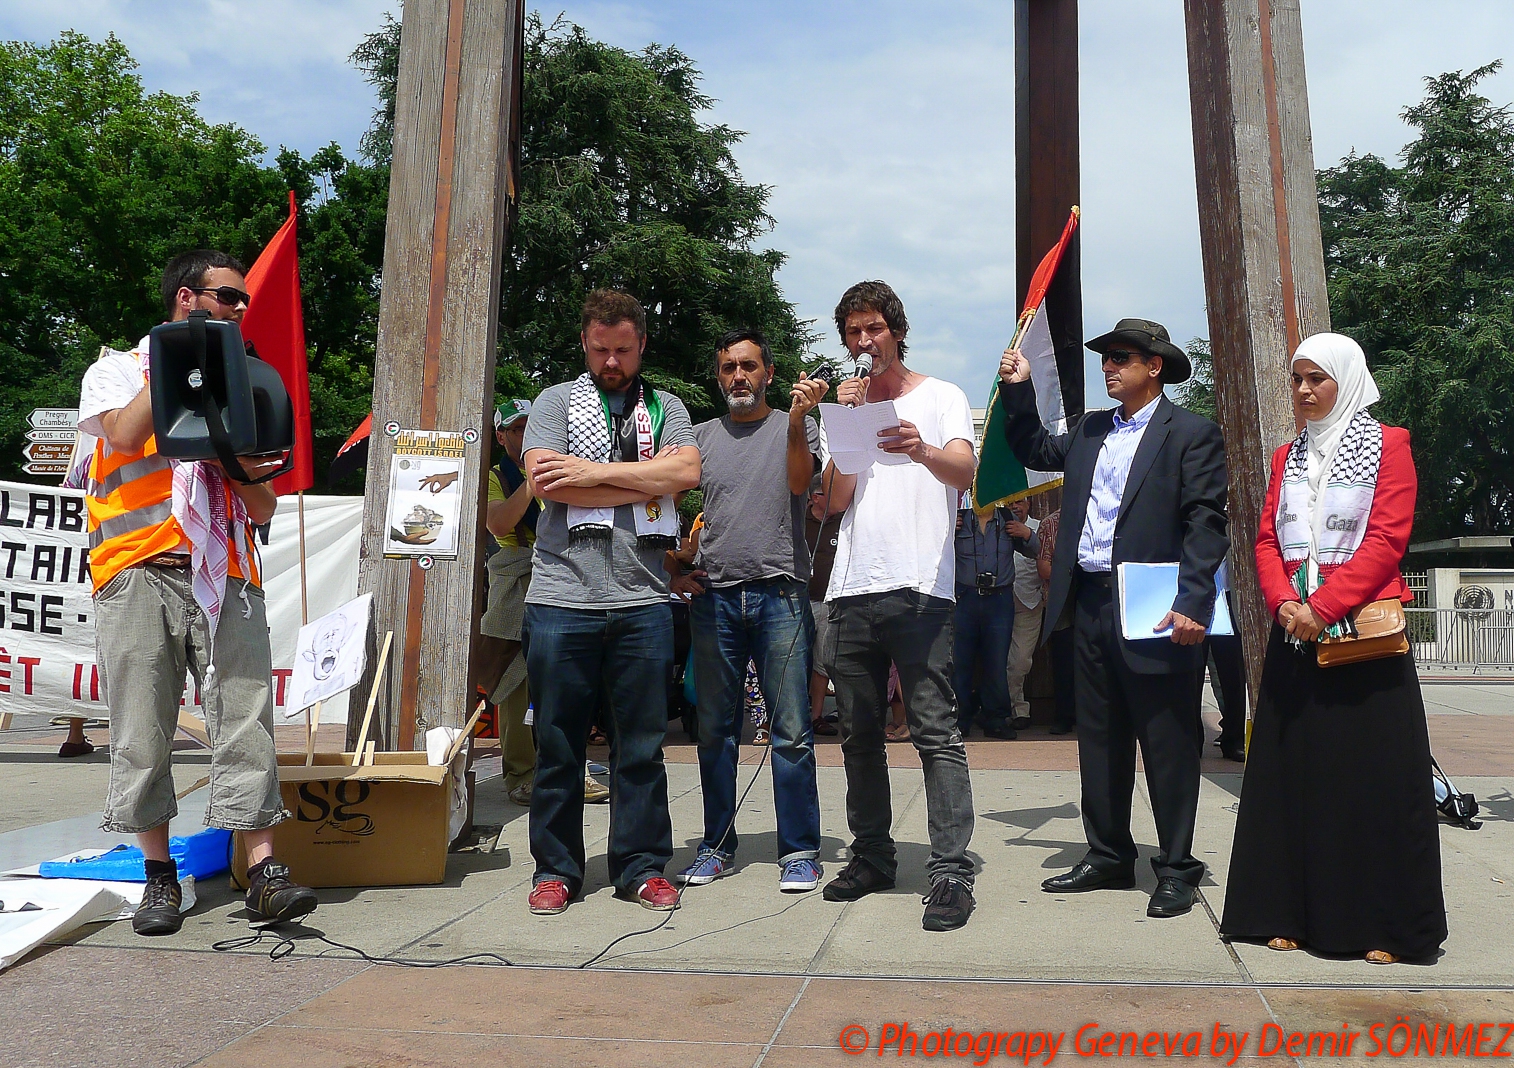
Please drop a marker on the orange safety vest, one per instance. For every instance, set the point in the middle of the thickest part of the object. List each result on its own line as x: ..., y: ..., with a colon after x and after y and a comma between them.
x: 129, y: 498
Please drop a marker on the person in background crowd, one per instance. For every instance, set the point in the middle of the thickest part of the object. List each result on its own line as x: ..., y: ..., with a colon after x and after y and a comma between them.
x: 1059, y: 643
x: 1147, y: 481
x: 1030, y: 600
x: 1336, y: 841
x: 984, y: 618
x: 751, y: 606
x: 1227, y: 679
x: 820, y: 533
x: 176, y: 587
x: 605, y: 452
x: 891, y: 599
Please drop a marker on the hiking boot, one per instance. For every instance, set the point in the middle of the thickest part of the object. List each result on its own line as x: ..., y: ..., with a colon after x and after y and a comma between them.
x: 549, y: 897
x: 947, y: 906
x: 709, y: 865
x: 275, y: 898
x: 159, y: 914
x: 800, y: 876
x: 857, y: 879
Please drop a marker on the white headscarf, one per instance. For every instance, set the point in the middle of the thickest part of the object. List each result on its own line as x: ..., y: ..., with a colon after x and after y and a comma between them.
x: 1343, y: 360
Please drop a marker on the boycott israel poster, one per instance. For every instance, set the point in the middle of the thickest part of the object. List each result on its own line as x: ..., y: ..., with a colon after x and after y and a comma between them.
x: 47, y: 632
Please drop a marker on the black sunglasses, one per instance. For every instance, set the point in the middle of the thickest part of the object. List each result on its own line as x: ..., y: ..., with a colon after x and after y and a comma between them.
x: 230, y: 296
x: 1120, y: 357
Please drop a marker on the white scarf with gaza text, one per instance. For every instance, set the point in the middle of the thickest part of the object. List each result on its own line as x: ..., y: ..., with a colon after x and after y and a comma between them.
x: 1332, y: 530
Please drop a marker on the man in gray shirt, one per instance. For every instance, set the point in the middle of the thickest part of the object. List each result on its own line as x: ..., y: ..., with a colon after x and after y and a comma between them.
x: 751, y: 601
x: 605, y: 453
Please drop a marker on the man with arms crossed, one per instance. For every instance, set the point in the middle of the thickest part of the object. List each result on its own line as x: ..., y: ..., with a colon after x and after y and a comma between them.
x: 176, y: 588
x: 891, y: 599
x: 757, y: 465
x: 605, y: 452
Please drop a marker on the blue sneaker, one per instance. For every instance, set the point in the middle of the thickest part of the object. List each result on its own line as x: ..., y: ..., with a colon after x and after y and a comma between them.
x: 800, y: 876
x: 708, y: 866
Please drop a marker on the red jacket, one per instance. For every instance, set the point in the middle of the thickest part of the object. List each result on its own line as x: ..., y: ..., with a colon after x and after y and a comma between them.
x: 1372, y: 572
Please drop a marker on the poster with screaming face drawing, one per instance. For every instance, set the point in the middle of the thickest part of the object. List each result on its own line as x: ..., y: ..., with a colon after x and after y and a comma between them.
x: 330, y: 655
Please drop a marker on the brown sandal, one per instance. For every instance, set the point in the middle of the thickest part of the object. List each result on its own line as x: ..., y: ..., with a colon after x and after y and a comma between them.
x: 898, y: 732
x: 1380, y: 956
x: 1283, y: 944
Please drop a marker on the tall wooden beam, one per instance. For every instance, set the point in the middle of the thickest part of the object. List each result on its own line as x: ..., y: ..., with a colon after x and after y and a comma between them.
x: 1048, y: 171
x: 1264, y: 270
x: 434, y: 369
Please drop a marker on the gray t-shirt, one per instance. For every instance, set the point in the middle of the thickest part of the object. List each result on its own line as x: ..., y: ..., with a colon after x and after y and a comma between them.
x: 611, y: 572
x: 753, y: 525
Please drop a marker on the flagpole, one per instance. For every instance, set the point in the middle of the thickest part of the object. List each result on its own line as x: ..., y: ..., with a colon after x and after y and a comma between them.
x: 304, y: 591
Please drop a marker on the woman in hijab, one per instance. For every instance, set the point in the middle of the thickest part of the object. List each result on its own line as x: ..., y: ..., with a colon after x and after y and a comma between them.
x: 1337, y: 846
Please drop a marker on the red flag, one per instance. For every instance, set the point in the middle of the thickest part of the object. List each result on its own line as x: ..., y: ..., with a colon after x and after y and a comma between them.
x: 275, y: 324
x: 1048, y: 266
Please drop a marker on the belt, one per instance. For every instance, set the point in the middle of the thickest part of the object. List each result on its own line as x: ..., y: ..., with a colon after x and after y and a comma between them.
x: 176, y: 560
x: 1104, y: 579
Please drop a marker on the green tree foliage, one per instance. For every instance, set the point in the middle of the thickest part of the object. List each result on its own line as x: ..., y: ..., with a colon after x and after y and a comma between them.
x: 1420, y: 261
x: 1197, y: 394
x: 622, y: 185
x: 100, y: 184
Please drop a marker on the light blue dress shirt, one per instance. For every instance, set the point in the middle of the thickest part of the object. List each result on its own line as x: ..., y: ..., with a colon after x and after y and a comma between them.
x: 1110, y: 472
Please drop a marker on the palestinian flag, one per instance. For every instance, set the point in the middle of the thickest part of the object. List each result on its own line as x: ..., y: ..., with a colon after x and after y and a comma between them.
x: 1050, y: 334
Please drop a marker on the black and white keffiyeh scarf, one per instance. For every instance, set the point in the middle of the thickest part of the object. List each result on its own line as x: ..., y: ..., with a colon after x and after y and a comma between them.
x: 597, y: 434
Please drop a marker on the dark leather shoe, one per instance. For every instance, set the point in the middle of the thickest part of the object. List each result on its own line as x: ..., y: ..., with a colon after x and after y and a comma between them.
x: 1173, y: 897
x: 1086, y: 877
x: 857, y: 879
x: 1236, y: 753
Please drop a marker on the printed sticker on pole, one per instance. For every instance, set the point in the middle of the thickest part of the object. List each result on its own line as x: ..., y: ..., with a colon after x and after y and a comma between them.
x: 425, y: 494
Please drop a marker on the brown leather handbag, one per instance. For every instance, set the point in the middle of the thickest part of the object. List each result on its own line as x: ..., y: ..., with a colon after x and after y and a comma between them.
x: 1374, y: 631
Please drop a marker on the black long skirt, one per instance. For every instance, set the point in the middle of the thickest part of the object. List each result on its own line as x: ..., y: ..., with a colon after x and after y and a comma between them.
x: 1337, y: 843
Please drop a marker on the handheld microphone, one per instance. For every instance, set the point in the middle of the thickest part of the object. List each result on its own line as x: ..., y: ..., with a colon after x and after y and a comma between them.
x: 864, y: 364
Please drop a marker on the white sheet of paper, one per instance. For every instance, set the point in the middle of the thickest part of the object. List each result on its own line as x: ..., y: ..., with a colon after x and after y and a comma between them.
x: 852, y: 434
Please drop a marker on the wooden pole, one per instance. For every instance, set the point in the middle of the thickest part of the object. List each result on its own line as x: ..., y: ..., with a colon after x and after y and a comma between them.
x: 434, y: 369
x: 1264, y: 268
x: 1048, y: 173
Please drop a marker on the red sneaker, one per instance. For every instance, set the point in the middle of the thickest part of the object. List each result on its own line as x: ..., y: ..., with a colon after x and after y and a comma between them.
x: 549, y: 897
x: 657, y: 894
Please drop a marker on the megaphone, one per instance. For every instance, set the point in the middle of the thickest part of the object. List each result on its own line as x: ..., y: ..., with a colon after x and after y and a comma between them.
x: 213, y: 399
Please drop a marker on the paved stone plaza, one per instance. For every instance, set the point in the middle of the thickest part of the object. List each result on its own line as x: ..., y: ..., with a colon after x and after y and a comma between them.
x: 742, y: 975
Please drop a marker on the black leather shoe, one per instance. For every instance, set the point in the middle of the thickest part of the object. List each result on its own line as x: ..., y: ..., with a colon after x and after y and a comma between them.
x: 857, y: 879
x: 1173, y: 897
x: 1086, y: 877
x: 1061, y: 728
x: 1236, y: 752
x: 1001, y: 729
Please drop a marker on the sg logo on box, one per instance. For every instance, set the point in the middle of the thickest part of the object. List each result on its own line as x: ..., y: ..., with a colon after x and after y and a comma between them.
x: 332, y: 806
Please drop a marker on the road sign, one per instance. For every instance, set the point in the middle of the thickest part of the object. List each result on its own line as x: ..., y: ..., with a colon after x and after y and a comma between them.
x: 49, y: 451
x: 45, y: 469
x: 67, y: 435
x: 55, y: 418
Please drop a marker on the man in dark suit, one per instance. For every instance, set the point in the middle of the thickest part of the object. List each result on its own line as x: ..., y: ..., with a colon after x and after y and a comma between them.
x: 1144, y: 482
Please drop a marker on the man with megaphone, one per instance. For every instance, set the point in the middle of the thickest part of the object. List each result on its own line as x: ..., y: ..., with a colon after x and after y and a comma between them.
x: 176, y: 588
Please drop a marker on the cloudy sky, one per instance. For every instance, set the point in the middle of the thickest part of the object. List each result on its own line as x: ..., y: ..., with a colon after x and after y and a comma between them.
x: 884, y: 128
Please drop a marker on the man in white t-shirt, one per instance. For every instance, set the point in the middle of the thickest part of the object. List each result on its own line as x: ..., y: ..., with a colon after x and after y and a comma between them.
x: 890, y: 596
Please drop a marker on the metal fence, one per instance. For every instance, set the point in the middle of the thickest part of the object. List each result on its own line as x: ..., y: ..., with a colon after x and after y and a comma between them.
x: 1475, y: 639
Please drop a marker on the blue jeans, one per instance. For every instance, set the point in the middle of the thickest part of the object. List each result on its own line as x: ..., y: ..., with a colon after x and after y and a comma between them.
x: 770, y: 622
x: 574, y: 659
x: 984, y: 625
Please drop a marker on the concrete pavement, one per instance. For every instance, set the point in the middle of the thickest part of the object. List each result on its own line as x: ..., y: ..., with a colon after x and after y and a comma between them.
x: 742, y: 974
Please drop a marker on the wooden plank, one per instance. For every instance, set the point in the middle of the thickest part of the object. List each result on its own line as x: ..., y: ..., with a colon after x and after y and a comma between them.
x: 435, y: 359
x: 1255, y: 171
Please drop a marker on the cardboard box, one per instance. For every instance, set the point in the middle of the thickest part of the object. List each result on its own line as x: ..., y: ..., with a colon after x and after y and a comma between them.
x: 381, y: 824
